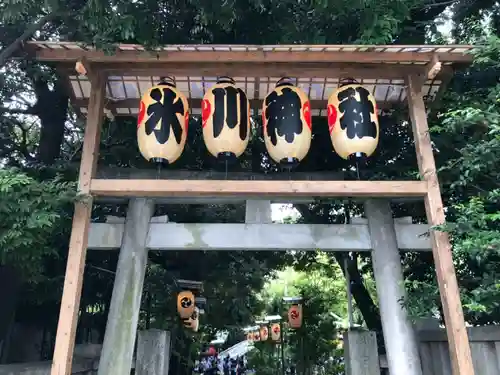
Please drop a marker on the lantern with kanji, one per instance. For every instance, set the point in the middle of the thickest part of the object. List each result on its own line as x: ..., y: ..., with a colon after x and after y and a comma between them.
x: 162, y: 123
x: 353, y: 121
x: 226, y: 120
x: 286, y: 118
x: 185, y: 304
x: 275, y: 332
x: 264, y: 333
x: 250, y: 336
x: 295, y: 316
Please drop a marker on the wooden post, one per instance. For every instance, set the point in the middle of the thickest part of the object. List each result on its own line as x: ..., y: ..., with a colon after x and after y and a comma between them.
x: 70, y: 303
x: 121, y: 327
x: 448, y: 287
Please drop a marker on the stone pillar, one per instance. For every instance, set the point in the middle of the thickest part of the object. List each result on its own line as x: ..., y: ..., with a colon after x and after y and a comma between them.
x: 153, y: 352
x: 361, y: 353
x: 121, y: 328
x: 399, y: 337
x: 258, y: 212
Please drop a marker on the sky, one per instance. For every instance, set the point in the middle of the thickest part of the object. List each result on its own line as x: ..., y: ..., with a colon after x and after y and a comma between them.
x: 281, y: 211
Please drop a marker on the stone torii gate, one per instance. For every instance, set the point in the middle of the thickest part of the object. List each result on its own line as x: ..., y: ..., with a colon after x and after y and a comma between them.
x: 113, y: 85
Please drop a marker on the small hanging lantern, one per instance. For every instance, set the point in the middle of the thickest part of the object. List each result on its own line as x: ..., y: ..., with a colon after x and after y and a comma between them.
x: 162, y: 123
x: 286, y: 117
x: 256, y: 335
x: 192, y: 322
x: 185, y: 304
x: 226, y: 120
x: 353, y: 121
x: 250, y: 336
x: 264, y: 333
x: 295, y: 316
x: 275, y: 332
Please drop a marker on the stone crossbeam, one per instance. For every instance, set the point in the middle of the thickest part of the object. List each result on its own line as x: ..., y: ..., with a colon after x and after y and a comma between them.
x: 259, y: 237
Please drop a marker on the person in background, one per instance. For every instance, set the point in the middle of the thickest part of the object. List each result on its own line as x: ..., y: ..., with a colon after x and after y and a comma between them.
x: 226, y: 366
x: 234, y: 364
x: 241, y: 366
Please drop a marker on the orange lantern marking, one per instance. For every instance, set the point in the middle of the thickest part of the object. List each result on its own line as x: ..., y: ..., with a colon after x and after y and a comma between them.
x: 185, y: 304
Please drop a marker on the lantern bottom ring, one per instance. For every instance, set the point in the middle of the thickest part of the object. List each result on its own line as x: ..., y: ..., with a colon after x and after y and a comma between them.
x: 227, y: 157
x: 289, y: 163
x: 358, y: 157
x: 161, y: 161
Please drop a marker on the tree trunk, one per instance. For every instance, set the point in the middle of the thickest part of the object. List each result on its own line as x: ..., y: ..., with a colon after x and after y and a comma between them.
x: 8, y: 276
x: 52, y: 109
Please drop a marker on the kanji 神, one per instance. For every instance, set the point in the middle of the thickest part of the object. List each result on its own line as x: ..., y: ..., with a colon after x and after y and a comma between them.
x: 165, y: 112
x: 226, y: 110
x: 356, y: 114
x: 283, y: 115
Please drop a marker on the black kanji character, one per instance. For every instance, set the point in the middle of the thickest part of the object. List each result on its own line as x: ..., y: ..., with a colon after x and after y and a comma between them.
x: 165, y: 112
x: 227, y: 98
x: 283, y: 115
x: 356, y: 115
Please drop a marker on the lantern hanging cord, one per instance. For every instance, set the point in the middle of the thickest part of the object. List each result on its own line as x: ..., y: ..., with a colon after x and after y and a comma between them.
x: 158, y: 171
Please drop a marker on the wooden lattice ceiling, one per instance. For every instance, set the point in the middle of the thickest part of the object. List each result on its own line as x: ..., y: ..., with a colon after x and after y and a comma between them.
x: 316, y: 69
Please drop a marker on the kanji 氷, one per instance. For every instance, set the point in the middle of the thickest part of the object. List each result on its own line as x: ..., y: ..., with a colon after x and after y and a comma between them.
x: 356, y: 114
x: 165, y: 112
x: 226, y: 110
x: 283, y: 115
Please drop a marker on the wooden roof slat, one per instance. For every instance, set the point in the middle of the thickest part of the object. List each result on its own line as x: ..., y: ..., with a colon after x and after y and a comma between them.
x: 267, y: 53
x: 256, y: 68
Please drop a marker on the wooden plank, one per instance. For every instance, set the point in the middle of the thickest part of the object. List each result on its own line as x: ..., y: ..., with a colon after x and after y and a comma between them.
x: 448, y: 286
x: 269, y: 189
x: 257, y: 236
x: 258, y: 56
x: 185, y: 174
x: 426, y: 358
x: 70, y: 303
x: 475, y: 334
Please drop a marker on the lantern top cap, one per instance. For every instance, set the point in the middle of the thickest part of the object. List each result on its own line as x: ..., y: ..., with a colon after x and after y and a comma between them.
x: 194, y: 286
x: 347, y: 81
x: 284, y: 81
x: 169, y: 81
x: 272, y: 318
x: 226, y: 79
x: 292, y: 299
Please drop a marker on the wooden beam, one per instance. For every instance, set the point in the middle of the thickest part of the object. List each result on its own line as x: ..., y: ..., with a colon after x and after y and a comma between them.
x: 448, y: 286
x: 291, y: 69
x: 70, y: 303
x: 268, y: 189
x: 433, y: 68
x: 259, y: 237
x: 258, y: 56
x: 185, y: 174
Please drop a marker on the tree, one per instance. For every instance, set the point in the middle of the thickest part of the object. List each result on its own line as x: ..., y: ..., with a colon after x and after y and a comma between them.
x: 324, y: 313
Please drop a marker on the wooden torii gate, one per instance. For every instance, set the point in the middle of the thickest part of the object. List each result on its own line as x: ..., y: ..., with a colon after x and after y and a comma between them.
x: 114, y: 84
